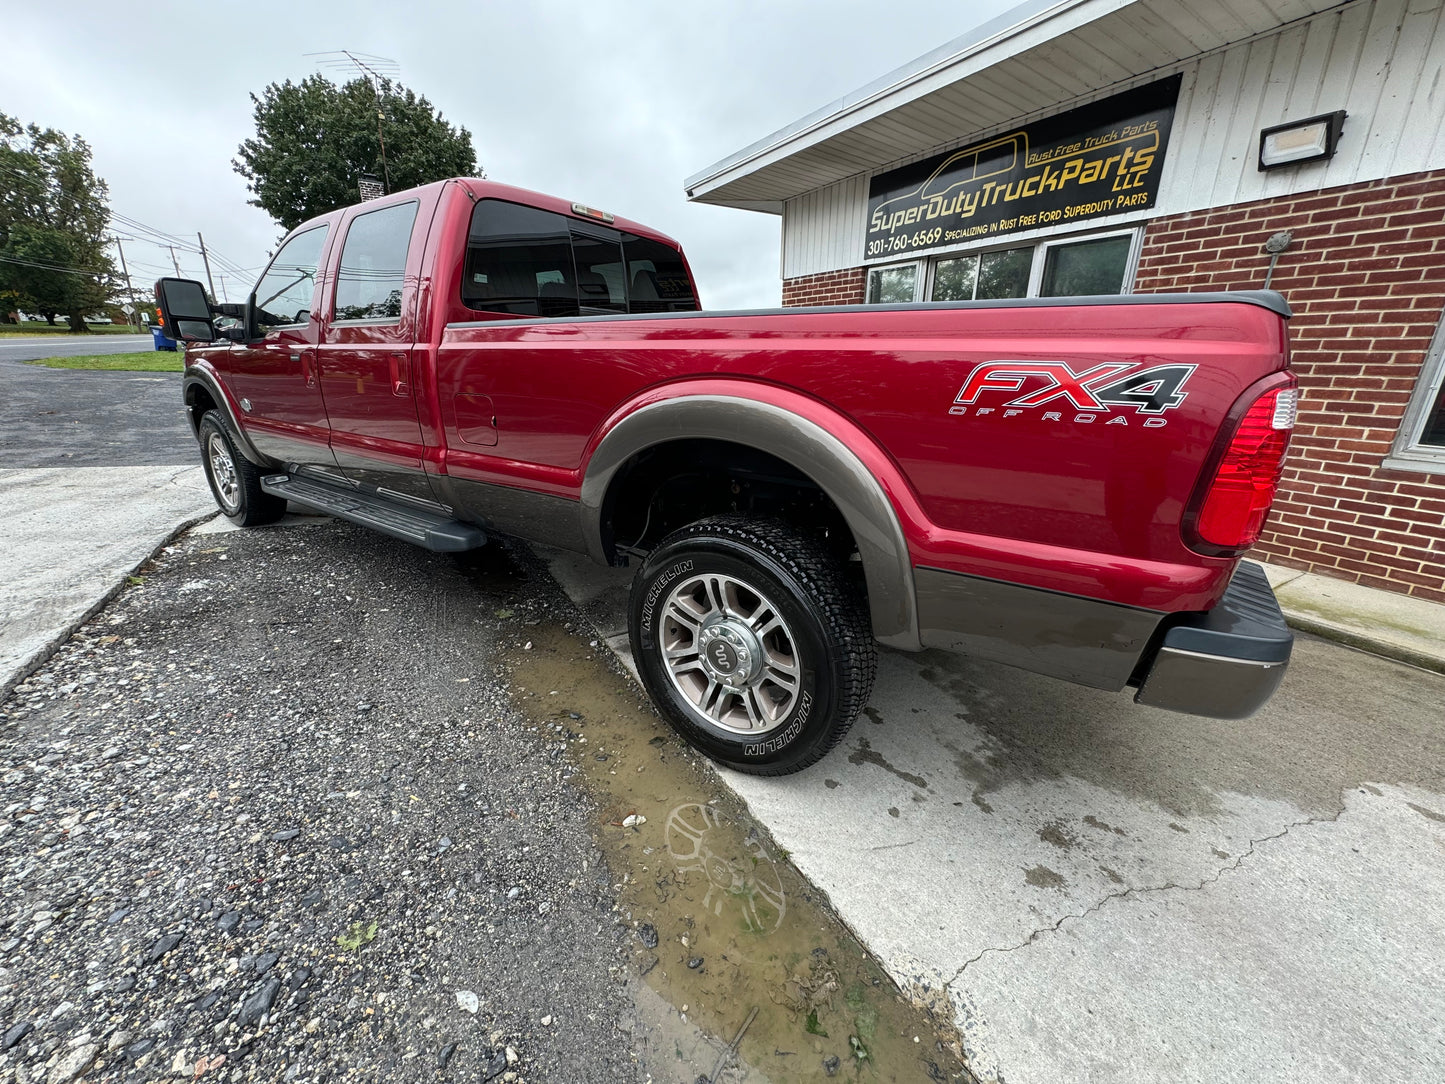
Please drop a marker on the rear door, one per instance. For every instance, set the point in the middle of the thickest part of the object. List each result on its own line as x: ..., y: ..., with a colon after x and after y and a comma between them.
x: 366, y: 348
x: 275, y: 375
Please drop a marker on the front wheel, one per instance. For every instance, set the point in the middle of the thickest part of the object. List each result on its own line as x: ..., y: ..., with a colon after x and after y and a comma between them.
x: 752, y: 643
x: 235, y: 480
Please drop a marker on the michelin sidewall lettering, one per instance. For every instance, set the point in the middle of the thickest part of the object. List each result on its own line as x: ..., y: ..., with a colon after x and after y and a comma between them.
x: 810, y: 715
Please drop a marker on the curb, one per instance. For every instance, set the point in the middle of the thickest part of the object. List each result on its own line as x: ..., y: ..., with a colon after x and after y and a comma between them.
x: 1363, y: 641
x: 42, y: 656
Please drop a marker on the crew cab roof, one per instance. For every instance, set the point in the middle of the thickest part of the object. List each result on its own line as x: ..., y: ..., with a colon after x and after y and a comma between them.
x: 479, y: 189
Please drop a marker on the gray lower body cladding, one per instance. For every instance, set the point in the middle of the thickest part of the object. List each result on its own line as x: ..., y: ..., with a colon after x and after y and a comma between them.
x: 1078, y: 639
x: 1223, y: 663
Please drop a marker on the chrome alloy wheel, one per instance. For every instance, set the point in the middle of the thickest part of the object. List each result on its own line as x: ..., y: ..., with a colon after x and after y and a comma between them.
x: 729, y: 652
x: 223, y: 473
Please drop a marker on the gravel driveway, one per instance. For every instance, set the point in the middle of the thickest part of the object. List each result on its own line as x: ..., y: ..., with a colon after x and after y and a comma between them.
x: 238, y: 846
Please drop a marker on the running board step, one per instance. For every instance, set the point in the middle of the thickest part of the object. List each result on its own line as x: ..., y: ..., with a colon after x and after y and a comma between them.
x: 414, y: 525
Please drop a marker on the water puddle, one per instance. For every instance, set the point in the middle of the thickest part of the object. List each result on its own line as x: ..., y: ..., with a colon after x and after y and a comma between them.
x: 728, y: 933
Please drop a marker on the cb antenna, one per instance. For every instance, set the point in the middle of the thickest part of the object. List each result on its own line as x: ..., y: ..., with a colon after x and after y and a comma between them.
x: 379, y: 71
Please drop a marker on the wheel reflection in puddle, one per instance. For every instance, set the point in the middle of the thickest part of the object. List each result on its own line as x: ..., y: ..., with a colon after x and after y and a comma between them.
x: 740, y: 873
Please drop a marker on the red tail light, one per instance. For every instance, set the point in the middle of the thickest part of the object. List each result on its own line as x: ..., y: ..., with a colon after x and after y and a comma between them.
x: 1237, y: 500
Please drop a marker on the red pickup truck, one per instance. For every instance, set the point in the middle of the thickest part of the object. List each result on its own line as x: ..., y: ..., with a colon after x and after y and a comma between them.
x: 1064, y: 485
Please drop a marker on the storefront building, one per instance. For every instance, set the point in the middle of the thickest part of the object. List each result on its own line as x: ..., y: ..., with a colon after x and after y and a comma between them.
x: 1131, y: 146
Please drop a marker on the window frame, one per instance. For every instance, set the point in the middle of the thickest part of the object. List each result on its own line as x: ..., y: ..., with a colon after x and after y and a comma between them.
x: 372, y: 321
x: 1407, y: 453
x: 919, y: 273
x: 1131, y: 261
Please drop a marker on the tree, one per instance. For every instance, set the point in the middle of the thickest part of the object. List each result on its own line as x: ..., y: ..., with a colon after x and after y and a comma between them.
x: 315, y: 140
x: 53, y: 216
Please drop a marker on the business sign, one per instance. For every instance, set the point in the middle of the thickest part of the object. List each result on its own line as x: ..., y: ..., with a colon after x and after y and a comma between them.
x: 1100, y: 159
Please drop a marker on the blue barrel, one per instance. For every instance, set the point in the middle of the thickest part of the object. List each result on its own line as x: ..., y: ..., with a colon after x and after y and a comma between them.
x: 161, y: 339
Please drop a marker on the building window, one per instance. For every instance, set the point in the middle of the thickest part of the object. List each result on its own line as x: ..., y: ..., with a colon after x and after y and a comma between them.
x: 892, y: 285
x: 1080, y: 268
x: 1072, y: 267
x: 1420, y: 443
x: 982, y: 276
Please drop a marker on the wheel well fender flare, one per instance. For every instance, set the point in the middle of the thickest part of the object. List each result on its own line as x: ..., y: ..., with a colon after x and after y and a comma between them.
x: 201, y: 378
x: 797, y: 440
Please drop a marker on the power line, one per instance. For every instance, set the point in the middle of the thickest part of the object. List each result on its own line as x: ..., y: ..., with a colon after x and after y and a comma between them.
x: 52, y: 267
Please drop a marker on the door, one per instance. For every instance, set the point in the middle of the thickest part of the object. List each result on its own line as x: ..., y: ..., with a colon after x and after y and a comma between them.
x: 366, y: 353
x: 275, y: 375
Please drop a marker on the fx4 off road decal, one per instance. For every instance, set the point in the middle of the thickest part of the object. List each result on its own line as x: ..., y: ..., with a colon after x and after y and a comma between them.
x: 1055, y: 391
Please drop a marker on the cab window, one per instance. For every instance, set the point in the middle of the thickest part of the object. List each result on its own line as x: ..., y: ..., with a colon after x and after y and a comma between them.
x: 519, y: 261
x: 284, y: 295
x: 657, y: 279
x: 523, y: 261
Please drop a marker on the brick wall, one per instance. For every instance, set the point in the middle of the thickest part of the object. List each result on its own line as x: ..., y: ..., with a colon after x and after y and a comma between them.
x: 1366, y: 278
x: 827, y: 288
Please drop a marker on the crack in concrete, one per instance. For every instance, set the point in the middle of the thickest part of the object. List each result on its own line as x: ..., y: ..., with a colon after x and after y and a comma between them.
x: 1232, y: 866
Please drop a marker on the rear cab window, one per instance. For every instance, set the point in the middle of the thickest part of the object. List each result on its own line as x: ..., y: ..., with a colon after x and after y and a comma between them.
x: 523, y: 261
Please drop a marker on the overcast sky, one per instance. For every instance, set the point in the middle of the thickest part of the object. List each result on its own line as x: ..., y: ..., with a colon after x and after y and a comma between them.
x: 611, y: 104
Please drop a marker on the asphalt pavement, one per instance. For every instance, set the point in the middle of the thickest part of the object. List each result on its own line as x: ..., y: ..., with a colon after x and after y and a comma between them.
x: 30, y: 347
x: 79, y: 417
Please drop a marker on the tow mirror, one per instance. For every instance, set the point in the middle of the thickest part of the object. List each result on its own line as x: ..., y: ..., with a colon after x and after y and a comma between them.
x: 186, y: 311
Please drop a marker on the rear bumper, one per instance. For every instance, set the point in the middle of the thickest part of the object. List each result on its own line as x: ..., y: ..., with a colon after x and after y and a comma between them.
x: 1224, y: 663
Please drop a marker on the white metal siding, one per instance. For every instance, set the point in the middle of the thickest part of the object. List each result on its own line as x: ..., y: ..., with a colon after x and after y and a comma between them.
x: 823, y: 229
x: 1380, y: 61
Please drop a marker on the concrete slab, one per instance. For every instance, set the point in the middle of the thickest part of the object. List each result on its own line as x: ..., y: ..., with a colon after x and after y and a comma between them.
x: 1311, y: 957
x: 1033, y: 857
x: 1397, y: 626
x: 70, y: 536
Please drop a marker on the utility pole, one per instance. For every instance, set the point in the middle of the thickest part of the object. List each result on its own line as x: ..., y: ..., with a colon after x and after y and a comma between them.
x: 223, y: 287
x: 173, y: 260
x: 129, y: 289
x: 206, y: 260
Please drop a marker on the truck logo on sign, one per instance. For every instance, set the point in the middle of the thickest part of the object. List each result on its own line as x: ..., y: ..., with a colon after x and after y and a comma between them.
x: 1090, y: 392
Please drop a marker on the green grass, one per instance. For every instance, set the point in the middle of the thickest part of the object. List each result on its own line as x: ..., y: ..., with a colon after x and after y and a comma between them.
x: 148, y: 361
x: 40, y: 327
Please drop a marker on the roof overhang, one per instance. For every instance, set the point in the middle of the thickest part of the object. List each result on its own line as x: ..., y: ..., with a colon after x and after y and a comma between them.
x: 1034, y: 58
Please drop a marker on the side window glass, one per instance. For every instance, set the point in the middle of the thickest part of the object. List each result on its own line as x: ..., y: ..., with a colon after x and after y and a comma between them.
x: 519, y: 261
x: 373, y: 264
x: 284, y: 294
x: 657, y: 280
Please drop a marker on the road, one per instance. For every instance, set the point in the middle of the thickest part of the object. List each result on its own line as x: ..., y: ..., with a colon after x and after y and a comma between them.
x: 30, y: 347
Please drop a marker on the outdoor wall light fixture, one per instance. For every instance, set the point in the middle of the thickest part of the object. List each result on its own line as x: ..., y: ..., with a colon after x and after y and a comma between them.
x: 1301, y: 141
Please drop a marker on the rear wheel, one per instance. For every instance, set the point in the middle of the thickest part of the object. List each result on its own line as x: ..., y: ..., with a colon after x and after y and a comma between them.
x: 752, y: 643
x: 235, y: 480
